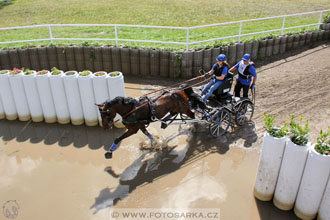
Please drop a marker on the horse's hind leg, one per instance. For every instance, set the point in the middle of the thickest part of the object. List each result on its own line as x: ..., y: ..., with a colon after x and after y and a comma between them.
x: 164, y: 120
x: 129, y: 132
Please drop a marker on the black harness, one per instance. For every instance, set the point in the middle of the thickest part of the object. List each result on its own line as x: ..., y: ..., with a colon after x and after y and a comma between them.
x: 131, y: 118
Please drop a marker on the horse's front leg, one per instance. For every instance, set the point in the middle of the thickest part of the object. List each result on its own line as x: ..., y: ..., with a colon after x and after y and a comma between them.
x: 144, y: 130
x: 114, y: 146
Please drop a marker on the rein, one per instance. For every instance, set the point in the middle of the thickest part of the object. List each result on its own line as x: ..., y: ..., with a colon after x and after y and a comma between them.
x: 158, y: 90
x: 146, y: 103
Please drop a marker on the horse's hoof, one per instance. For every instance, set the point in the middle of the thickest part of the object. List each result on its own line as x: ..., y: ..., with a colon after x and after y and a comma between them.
x: 108, y: 155
x: 163, y: 125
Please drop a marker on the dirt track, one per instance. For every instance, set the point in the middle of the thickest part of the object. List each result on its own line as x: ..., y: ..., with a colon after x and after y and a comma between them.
x: 57, y: 171
x: 297, y: 84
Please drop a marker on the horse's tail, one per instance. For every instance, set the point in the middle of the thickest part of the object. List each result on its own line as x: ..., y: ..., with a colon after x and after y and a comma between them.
x: 194, y: 98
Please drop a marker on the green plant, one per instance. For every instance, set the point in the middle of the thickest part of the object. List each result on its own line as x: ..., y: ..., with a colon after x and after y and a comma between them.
x: 3, y: 71
x: 114, y: 74
x: 28, y: 72
x: 323, y: 143
x: 100, y: 74
x: 55, y: 71
x: 85, y: 73
x: 85, y: 44
x: 218, y: 43
x: 269, y: 36
x: 70, y: 73
x: 249, y: 40
x: 275, y: 132
x: 326, y: 18
x: 298, y: 133
x: 15, y: 71
x: 92, y: 55
x: 42, y: 72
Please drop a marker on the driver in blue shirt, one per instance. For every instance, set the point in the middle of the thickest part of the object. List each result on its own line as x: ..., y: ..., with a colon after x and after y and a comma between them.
x: 220, y: 70
x: 246, y: 74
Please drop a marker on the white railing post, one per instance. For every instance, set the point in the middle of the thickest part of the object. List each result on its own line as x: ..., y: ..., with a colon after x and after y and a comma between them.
x: 283, y: 25
x: 320, y: 19
x: 50, y: 34
x: 240, y: 32
x: 187, y: 44
x: 116, y: 35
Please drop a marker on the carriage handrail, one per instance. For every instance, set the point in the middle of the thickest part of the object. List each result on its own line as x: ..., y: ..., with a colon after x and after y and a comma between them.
x: 187, y: 29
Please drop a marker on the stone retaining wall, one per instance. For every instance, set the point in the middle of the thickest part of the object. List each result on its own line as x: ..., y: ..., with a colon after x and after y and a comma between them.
x: 150, y: 62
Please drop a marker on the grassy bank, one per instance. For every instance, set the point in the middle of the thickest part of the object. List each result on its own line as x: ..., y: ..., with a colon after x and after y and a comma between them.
x: 182, y: 13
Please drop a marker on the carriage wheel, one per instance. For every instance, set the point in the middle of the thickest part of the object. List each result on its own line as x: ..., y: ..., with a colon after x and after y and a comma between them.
x: 220, y: 122
x: 244, y: 113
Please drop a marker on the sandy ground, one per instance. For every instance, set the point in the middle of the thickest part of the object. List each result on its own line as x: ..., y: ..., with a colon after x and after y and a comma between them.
x: 59, y: 171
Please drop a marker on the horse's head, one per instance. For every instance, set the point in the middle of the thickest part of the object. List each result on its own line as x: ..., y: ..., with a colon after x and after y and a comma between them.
x: 107, y: 115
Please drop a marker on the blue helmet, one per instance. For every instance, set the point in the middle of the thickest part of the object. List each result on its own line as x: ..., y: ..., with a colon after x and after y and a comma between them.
x: 221, y: 57
x: 246, y: 57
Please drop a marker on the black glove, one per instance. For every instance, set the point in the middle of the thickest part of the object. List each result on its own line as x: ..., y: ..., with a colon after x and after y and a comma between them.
x: 207, y: 74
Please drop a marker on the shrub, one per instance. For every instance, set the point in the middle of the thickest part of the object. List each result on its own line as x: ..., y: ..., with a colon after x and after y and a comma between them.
x: 269, y: 36
x: 85, y: 73
x: 299, y: 134
x: 28, y: 72
x: 114, y: 74
x: 275, y: 132
x: 326, y: 18
x: 15, y: 71
x: 3, y: 71
x: 323, y: 143
x: 55, y: 71
x: 42, y: 72
x: 70, y: 73
x: 100, y: 74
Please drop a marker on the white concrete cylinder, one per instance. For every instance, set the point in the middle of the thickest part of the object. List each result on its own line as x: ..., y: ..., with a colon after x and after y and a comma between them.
x: 87, y: 99
x: 100, y: 87
x: 7, y: 96
x: 59, y: 96
x: 16, y: 84
x: 292, y: 168
x: 73, y: 97
x: 324, y: 211
x: 2, y: 111
x: 312, y: 185
x: 46, y: 97
x: 116, y: 88
x: 32, y: 96
x: 269, y: 167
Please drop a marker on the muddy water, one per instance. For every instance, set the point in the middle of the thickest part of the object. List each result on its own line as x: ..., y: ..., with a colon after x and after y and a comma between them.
x: 59, y: 171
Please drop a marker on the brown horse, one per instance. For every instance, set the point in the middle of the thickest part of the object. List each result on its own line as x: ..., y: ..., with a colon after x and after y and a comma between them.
x: 136, y: 114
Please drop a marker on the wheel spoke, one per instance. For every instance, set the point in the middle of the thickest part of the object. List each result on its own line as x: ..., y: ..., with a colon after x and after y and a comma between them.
x: 218, y: 130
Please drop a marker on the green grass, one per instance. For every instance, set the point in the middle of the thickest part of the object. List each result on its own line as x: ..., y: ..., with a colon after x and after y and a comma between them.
x: 179, y: 13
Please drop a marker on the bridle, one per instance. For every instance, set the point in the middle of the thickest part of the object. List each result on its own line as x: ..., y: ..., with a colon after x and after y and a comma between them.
x: 106, y: 116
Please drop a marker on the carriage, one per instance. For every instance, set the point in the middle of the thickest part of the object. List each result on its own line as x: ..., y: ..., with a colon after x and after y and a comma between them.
x: 226, y: 110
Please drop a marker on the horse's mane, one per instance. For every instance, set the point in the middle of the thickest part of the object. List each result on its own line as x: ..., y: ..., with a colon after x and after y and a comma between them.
x: 119, y: 99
